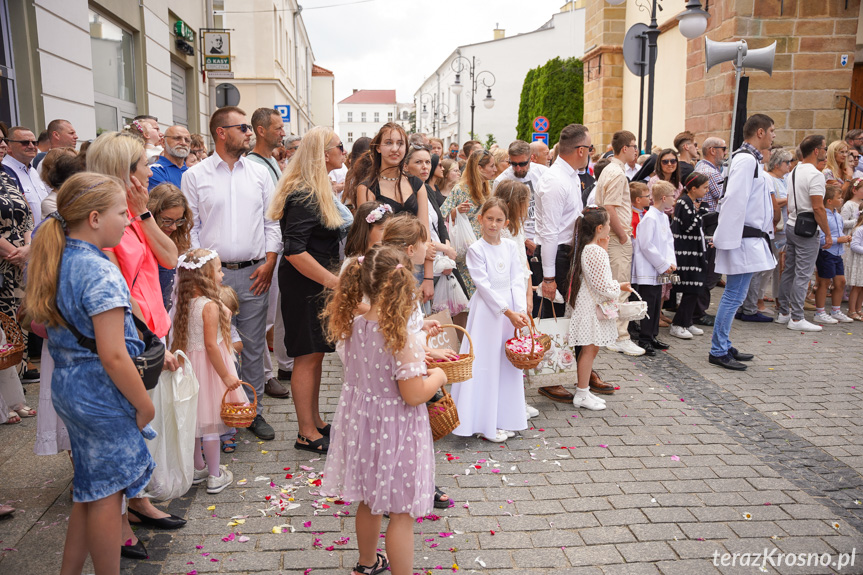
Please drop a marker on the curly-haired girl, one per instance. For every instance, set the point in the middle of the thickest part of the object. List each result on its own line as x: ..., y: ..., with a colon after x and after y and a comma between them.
x: 202, y: 329
x: 381, y: 423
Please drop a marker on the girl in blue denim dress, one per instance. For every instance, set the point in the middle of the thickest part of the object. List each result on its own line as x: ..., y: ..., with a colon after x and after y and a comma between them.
x: 100, y: 398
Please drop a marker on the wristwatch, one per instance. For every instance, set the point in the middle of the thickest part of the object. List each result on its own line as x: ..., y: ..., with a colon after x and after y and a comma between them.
x: 145, y: 216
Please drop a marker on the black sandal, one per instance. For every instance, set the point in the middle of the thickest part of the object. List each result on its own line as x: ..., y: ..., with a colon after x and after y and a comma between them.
x: 381, y: 565
x: 439, y: 502
x: 325, y: 430
x: 320, y: 445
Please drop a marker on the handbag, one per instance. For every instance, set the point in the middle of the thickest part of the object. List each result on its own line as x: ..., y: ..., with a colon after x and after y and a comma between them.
x: 149, y: 363
x: 560, y: 356
x: 805, y: 225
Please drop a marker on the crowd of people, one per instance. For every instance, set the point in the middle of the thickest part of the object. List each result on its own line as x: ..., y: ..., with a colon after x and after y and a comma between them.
x: 294, y: 247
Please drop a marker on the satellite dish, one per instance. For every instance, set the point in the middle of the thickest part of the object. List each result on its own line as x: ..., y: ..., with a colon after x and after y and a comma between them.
x: 632, y: 49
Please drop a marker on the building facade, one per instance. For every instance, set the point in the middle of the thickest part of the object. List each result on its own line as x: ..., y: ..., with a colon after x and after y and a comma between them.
x: 100, y: 65
x: 815, y: 70
x: 323, y: 97
x: 508, y: 59
x: 362, y: 113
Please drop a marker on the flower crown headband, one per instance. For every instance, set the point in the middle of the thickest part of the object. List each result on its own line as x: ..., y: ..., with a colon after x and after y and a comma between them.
x: 184, y: 263
x: 377, y: 214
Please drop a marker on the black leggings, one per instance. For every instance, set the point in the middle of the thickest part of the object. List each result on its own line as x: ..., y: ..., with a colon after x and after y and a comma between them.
x: 686, y: 309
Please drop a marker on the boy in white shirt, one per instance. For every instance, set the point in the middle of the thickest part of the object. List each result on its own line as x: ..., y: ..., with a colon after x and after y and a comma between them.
x: 653, y: 255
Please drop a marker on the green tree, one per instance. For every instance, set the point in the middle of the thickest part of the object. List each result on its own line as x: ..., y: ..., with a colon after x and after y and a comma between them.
x: 490, y: 140
x: 554, y: 90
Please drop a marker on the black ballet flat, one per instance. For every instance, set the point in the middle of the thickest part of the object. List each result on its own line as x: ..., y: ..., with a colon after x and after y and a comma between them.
x: 136, y: 551
x: 167, y: 523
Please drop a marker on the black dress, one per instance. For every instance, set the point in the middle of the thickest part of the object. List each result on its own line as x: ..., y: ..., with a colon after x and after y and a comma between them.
x: 410, y: 205
x: 302, y: 298
x: 688, y: 245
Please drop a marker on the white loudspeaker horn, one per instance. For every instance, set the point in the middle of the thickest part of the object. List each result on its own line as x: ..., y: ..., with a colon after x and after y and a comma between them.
x: 761, y: 58
x: 719, y: 52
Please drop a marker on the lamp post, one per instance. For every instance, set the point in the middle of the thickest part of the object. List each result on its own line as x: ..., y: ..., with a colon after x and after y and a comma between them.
x: 692, y: 24
x: 457, y: 86
x: 443, y: 110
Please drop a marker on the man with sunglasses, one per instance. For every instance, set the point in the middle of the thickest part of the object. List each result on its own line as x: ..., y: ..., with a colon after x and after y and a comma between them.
x: 713, y: 155
x: 229, y: 195
x: 22, y: 151
x: 521, y: 169
x: 687, y: 153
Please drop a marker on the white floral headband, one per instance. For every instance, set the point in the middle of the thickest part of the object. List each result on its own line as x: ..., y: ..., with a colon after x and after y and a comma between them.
x: 188, y: 265
x: 378, y: 213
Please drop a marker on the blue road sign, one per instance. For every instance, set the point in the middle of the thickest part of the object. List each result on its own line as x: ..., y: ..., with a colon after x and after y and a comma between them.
x: 540, y: 137
x: 285, y: 111
x: 540, y: 124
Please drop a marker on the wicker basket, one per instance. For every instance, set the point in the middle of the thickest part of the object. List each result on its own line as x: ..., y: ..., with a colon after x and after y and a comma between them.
x: 237, y: 414
x: 460, y: 369
x: 526, y: 360
x: 443, y: 415
x: 13, y: 355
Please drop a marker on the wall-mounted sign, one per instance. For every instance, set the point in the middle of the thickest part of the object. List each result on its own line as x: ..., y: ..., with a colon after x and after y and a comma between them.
x: 217, y: 51
x: 182, y: 30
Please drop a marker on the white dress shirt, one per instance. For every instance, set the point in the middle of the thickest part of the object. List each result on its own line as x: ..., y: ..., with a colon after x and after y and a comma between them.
x: 653, y: 248
x: 631, y: 171
x: 229, y: 207
x: 558, y: 205
x: 534, y: 172
x: 34, y: 190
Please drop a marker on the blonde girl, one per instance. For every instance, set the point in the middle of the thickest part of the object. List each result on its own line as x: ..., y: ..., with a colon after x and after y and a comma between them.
x: 381, y: 421
x: 202, y: 330
x: 854, y: 271
x: 99, y: 396
x: 517, y: 198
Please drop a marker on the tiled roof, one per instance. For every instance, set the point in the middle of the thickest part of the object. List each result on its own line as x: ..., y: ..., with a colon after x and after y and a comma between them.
x: 371, y: 97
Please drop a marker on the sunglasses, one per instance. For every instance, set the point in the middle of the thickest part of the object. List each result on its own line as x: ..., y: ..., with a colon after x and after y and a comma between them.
x: 590, y: 148
x: 243, y: 127
x: 340, y: 146
x: 670, y: 162
x: 519, y: 164
x: 723, y: 148
x: 23, y: 142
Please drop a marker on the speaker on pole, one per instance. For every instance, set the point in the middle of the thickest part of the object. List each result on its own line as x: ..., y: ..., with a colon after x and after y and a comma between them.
x: 740, y: 112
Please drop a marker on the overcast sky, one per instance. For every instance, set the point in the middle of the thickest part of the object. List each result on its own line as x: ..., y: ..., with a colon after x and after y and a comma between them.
x: 386, y: 44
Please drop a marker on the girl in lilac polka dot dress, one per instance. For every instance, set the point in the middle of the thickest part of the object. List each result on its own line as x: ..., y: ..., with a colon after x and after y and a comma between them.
x: 381, y: 446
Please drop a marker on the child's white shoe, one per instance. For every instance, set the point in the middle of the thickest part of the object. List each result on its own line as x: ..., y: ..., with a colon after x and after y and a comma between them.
x: 695, y: 330
x: 218, y: 484
x: 824, y: 318
x: 507, y: 432
x: 531, y: 411
x: 680, y: 332
x: 841, y: 317
x: 596, y: 397
x: 201, y: 475
x: 499, y: 437
x: 587, y: 401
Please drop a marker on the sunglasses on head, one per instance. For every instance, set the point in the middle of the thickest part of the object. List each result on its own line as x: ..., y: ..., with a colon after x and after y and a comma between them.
x: 519, y: 164
x: 243, y: 127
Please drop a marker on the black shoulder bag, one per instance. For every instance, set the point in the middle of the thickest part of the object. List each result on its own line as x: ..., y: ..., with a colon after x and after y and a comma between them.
x: 805, y: 225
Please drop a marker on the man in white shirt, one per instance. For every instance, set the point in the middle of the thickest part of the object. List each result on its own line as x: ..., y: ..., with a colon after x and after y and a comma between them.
x: 521, y: 169
x: 229, y: 196
x: 22, y: 150
x: 558, y: 205
x: 806, y: 185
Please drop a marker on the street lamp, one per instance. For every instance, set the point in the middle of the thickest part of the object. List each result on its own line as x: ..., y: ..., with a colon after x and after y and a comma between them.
x: 424, y: 112
x: 692, y: 23
x: 457, y: 86
x: 443, y: 110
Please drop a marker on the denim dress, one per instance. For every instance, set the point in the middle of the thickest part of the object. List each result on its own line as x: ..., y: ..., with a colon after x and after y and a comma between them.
x: 108, y: 451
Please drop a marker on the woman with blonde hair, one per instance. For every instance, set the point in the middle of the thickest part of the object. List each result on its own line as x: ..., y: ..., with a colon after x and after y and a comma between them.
x: 140, y: 252
x: 306, y: 207
x: 838, y: 167
x: 468, y: 196
x: 449, y: 177
x: 501, y: 160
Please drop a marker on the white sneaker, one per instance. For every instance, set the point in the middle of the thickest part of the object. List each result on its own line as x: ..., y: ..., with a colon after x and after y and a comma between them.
x: 680, y: 331
x: 201, y: 475
x: 588, y: 401
x: 782, y: 318
x: 613, y: 347
x: 629, y: 348
x: 824, y: 318
x: 841, y: 317
x: 531, y: 411
x: 218, y: 484
x: 695, y: 330
x: 803, y: 325
x: 500, y: 437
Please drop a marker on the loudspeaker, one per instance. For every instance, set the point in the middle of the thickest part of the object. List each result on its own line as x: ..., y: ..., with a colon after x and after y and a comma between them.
x: 719, y: 52
x: 761, y: 58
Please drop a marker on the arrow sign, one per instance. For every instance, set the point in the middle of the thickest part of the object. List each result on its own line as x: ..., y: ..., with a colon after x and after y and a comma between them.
x: 540, y: 124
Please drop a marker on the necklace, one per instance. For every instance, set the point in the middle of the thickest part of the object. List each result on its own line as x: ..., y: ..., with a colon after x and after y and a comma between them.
x: 388, y: 179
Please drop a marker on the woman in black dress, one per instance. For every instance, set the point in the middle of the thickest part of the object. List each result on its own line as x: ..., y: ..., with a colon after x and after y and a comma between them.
x: 306, y: 206
x: 689, y: 249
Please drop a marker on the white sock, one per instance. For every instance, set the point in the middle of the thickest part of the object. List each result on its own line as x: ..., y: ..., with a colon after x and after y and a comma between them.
x: 579, y: 392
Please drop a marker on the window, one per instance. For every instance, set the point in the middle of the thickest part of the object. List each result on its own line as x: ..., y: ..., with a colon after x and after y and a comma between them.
x: 113, y: 73
x: 389, y: 116
x: 363, y: 134
x: 362, y: 117
x: 350, y: 116
x: 377, y: 117
x: 8, y: 90
x: 350, y: 137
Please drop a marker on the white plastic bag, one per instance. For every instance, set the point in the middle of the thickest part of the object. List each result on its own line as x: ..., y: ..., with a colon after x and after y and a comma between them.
x: 449, y: 296
x: 176, y: 403
x: 462, y: 235
x: 442, y: 263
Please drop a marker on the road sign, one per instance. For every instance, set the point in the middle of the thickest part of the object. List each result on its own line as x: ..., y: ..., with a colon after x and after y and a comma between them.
x: 540, y: 124
x: 285, y: 111
x: 221, y: 75
x: 540, y: 137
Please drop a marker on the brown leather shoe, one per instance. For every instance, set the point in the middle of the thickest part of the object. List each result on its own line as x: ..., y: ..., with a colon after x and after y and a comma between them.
x: 556, y: 393
x: 275, y: 389
x: 599, y: 386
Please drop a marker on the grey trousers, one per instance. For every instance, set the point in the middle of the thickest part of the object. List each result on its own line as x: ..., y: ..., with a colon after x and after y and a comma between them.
x: 252, y: 326
x: 758, y: 287
x: 274, y: 321
x: 800, y: 255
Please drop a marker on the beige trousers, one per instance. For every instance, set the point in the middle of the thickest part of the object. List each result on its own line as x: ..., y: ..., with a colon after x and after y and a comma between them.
x: 620, y: 257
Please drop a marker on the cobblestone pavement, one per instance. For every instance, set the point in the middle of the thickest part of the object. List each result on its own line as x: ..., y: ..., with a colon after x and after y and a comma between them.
x: 687, y: 463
